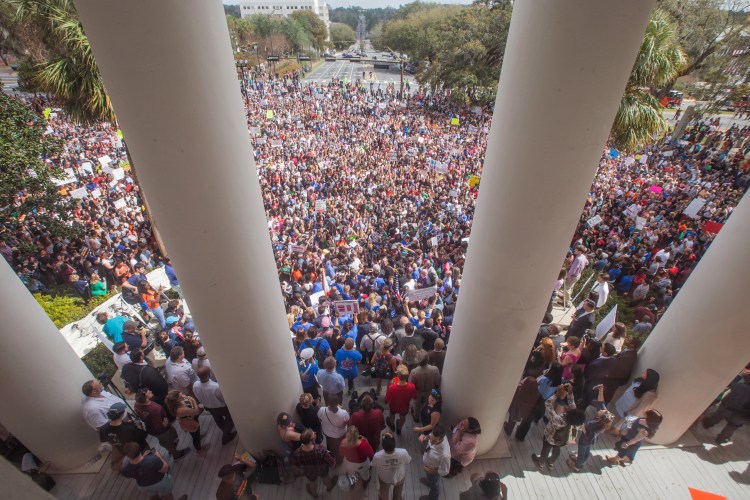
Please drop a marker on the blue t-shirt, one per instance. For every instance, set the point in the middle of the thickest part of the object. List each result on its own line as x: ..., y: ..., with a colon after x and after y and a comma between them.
x: 324, y: 347
x: 113, y: 328
x: 298, y: 324
x: 346, y: 362
x: 307, y: 374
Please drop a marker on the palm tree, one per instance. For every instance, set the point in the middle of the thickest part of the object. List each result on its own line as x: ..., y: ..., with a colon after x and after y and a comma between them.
x: 639, y: 119
x: 69, y: 71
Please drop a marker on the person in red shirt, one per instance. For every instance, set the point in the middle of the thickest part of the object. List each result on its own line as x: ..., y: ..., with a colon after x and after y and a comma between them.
x: 369, y: 421
x: 398, y: 396
x: 357, y: 454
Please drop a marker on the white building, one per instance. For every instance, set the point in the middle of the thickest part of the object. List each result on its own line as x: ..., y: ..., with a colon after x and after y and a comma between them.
x: 284, y: 8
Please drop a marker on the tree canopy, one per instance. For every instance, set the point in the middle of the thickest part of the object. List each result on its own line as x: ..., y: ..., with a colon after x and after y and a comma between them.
x: 342, y: 36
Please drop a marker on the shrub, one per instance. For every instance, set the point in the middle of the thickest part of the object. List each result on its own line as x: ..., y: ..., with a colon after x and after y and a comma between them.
x: 99, y: 360
x: 63, y: 306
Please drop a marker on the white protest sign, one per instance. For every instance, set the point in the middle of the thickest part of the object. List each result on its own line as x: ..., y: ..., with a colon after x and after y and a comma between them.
x: 254, y: 130
x: 433, y: 241
x: 264, y: 102
x: 113, y: 184
x: 315, y: 297
x: 79, y: 193
x: 381, y: 105
x: 276, y: 143
x: 476, y: 110
x: 441, y: 168
x: 96, y: 193
x: 70, y: 172
x: 455, y: 151
x: 694, y: 207
x: 421, y: 294
x: 260, y: 140
x: 118, y: 173
x: 62, y: 182
x: 667, y: 153
x: 104, y: 161
x: 87, y: 167
x: 420, y: 140
x: 296, y: 248
x: 320, y: 206
x: 607, y: 323
x: 453, y: 193
x: 632, y: 211
x: 594, y: 221
x: 346, y: 307
x: 120, y: 203
x: 640, y: 222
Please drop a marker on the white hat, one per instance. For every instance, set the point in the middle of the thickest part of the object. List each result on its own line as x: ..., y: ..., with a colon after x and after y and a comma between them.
x: 307, y: 353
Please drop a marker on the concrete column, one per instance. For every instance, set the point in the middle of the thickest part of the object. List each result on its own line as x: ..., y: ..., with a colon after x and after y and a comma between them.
x: 168, y: 68
x: 701, y: 343
x: 564, y: 72
x: 40, y: 380
x: 18, y: 485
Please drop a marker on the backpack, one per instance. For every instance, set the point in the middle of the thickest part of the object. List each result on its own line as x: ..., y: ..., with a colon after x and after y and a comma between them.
x: 354, y: 404
x: 320, y: 356
x: 129, y: 386
x: 383, y: 366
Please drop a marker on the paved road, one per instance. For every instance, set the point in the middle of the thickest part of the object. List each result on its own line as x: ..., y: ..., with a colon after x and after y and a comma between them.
x: 350, y: 71
x: 9, y: 78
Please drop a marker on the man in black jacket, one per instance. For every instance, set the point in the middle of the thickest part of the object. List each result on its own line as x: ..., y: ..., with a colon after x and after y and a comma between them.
x: 584, y: 319
x: 734, y: 408
x: 139, y: 375
x: 596, y: 373
x: 623, y: 368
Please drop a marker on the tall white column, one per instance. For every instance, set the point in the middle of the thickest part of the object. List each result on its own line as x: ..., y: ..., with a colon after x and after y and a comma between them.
x: 702, y: 343
x: 168, y: 68
x: 18, y: 485
x: 40, y: 380
x: 564, y: 72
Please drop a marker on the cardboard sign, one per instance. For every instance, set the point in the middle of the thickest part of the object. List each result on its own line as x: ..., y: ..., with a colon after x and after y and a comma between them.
x: 473, y: 181
x: 79, y: 193
x: 120, y: 203
x: 607, y: 323
x: 297, y: 248
x: 105, y: 160
x: 453, y: 193
x: 694, y: 207
x: 434, y: 241
x: 346, y: 307
x: 441, y: 168
x: 421, y: 294
x: 96, y: 193
x: 320, y: 206
x: 455, y: 120
x: 656, y: 189
x: 118, y: 173
x: 269, y: 114
x: 87, y: 167
x: 632, y: 211
x: 595, y: 220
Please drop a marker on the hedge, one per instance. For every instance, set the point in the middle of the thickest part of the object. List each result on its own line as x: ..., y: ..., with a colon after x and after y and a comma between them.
x: 64, y: 307
x: 99, y: 360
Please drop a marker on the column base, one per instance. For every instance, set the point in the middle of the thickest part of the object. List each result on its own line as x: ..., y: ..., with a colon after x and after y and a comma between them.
x: 93, y: 466
x: 499, y: 450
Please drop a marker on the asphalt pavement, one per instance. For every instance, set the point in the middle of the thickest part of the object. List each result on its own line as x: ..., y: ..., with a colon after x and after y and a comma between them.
x: 350, y: 71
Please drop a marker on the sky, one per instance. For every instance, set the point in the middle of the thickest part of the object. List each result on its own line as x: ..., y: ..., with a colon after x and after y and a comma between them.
x: 366, y: 4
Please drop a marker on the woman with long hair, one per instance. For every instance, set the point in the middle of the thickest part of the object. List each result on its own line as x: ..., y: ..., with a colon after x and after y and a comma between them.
x: 410, y: 357
x: 185, y: 409
x: 638, y: 398
x: 616, y: 337
x: 547, y: 384
x: 384, y: 364
x: 641, y: 428
x: 571, y: 356
x: 357, y: 454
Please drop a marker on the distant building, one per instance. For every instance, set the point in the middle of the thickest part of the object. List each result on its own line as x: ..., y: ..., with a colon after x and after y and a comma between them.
x: 284, y: 8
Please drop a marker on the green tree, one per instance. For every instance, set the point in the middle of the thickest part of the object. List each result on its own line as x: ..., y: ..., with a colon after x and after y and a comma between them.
x: 639, y: 119
x: 342, y: 36
x: 27, y: 189
x: 314, y: 27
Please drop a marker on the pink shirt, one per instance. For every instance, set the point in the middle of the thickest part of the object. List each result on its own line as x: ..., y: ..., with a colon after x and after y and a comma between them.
x: 465, y: 450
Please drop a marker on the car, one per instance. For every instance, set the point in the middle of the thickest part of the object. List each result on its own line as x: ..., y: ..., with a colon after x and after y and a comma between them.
x: 347, y: 55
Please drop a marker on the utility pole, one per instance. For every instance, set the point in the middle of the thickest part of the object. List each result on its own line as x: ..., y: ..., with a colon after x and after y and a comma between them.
x: 402, y: 78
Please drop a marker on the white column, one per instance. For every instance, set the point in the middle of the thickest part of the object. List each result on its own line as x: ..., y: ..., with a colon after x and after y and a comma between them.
x: 40, y: 380
x: 702, y: 343
x: 168, y: 68
x: 18, y: 485
x: 564, y: 72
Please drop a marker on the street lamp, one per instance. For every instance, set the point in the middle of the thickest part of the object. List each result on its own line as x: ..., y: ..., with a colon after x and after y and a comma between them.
x: 401, y: 63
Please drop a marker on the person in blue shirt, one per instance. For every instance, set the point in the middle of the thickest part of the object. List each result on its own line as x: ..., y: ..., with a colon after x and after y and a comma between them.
x: 347, y: 360
x: 547, y: 385
x: 112, y: 326
x: 303, y: 323
x: 321, y: 348
x: 173, y: 281
x: 308, y: 372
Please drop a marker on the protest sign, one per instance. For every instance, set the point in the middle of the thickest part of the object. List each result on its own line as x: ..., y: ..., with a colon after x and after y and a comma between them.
x: 64, y: 181
x: 433, y: 241
x: 315, y: 297
x: 96, y: 193
x: 640, y: 222
x: 667, y: 153
x: 269, y: 113
x: 694, y: 207
x: 421, y: 294
x: 296, y: 248
x: 473, y: 181
x: 607, y: 323
x: 105, y: 160
x: 455, y: 120
x: 656, y: 189
x: 441, y: 168
x: 254, y: 130
x: 320, y: 206
x: 260, y: 140
x: 632, y: 211
x: 276, y: 143
x: 712, y: 227
x: 119, y: 134
x: 594, y: 221
x: 118, y: 173
x: 381, y: 105
x: 476, y: 110
x: 455, y: 151
x: 453, y: 193
x: 346, y: 307
x: 79, y: 193
x: 70, y: 172
x: 264, y: 102
x: 120, y: 203
x: 46, y: 113
x: 87, y: 167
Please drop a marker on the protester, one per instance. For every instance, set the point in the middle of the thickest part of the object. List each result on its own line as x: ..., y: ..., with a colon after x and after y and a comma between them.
x: 425, y: 378
x: 638, y: 398
x: 463, y: 444
x: 369, y: 420
x: 157, y: 423
x: 632, y: 438
x: 734, y: 408
x: 591, y: 431
x: 112, y: 327
x: 119, y: 431
x: 356, y: 453
x: 121, y: 355
x: 208, y: 393
x: 334, y: 421
x: 234, y: 485
x: 314, y: 461
x: 399, y: 397
x: 185, y: 409
x: 140, y: 375
x: 431, y: 412
x: 622, y: 369
x: 485, y: 486
x: 562, y: 414
x: 391, y: 463
x: 96, y: 404
x: 308, y: 372
x: 347, y: 360
x: 180, y: 374
x: 151, y: 472
x: 307, y: 411
x: 332, y: 383
x: 435, y: 460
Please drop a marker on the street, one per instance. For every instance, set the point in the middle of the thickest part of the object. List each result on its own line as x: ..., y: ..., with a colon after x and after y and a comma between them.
x: 350, y: 71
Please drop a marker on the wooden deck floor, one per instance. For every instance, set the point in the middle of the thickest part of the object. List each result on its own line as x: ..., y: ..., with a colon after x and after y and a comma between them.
x: 657, y: 473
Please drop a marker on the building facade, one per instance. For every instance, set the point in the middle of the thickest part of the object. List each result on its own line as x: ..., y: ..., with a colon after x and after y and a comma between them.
x: 284, y: 8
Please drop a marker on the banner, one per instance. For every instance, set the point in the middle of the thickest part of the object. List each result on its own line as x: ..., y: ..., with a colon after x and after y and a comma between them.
x: 297, y: 248
x: 594, y: 221
x: 607, y: 323
x: 421, y: 294
x: 346, y: 307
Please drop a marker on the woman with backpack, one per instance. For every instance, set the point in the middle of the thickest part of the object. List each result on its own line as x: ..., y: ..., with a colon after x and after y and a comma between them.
x: 384, y: 364
x: 319, y: 345
x: 308, y: 371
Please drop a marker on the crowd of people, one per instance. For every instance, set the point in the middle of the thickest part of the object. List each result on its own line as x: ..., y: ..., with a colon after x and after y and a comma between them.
x: 369, y: 197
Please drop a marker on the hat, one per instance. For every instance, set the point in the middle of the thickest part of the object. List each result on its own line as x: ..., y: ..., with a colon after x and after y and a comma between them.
x: 284, y: 419
x: 201, y: 352
x: 226, y: 469
x: 116, y: 410
x: 172, y: 319
x: 307, y: 353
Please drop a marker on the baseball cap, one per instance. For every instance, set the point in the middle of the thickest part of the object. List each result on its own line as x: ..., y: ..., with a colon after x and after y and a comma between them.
x: 116, y: 410
x: 307, y: 353
x: 172, y: 319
